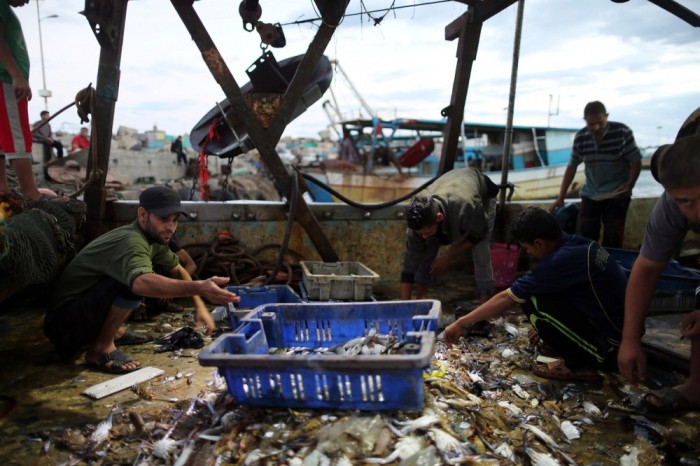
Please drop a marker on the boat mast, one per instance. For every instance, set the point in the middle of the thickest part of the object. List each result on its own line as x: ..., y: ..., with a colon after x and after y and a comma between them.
x: 508, y: 140
x: 354, y: 90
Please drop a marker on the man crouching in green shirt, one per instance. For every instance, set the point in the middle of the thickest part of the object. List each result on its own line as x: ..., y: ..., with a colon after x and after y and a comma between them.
x: 108, y: 278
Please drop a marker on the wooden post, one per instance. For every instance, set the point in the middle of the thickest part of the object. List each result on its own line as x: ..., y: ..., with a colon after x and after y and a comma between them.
x: 468, y: 29
x: 107, y: 21
x: 266, y: 140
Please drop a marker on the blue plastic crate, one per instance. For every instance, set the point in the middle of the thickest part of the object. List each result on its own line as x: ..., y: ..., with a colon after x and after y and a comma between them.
x: 252, y: 297
x: 364, y: 382
x: 674, y: 277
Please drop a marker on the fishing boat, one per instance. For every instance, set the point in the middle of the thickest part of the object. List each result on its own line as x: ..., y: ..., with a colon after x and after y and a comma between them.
x: 43, y: 408
x: 383, y: 160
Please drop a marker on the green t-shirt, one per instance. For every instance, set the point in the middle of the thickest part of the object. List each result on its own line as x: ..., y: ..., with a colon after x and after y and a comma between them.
x: 123, y: 254
x: 15, y: 40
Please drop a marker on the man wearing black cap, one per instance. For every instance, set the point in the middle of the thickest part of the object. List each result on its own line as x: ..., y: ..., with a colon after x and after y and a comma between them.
x: 108, y: 278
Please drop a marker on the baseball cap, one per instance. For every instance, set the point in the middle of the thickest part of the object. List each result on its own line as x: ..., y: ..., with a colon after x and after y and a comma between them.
x: 161, y: 201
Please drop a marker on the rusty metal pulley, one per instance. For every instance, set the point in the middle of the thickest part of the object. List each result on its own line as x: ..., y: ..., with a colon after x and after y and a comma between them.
x: 250, y: 12
x: 271, y: 34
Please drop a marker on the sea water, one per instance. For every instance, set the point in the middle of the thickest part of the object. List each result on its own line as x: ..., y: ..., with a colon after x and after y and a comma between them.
x: 647, y: 186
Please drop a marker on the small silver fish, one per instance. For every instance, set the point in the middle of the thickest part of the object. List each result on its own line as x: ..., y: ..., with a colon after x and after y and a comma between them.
x: 101, y: 432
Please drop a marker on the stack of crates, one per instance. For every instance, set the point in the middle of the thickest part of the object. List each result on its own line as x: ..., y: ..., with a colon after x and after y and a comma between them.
x: 327, y: 380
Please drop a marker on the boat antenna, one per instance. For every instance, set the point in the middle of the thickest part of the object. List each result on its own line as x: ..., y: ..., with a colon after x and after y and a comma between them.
x: 549, y: 112
x: 508, y: 140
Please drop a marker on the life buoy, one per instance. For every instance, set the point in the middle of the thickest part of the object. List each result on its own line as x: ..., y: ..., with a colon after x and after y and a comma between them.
x: 417, y: 152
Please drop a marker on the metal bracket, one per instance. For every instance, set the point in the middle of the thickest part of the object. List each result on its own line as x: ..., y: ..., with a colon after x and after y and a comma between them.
x: 105, y: 21
x: 266, y: 76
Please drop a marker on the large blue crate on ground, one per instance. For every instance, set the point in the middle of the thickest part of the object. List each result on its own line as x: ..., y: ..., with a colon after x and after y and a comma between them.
x: 674, y: 277
x: 365, y: 382
x: 254, y: 296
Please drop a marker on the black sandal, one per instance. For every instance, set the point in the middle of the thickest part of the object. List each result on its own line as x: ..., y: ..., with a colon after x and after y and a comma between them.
x: 114, y: 362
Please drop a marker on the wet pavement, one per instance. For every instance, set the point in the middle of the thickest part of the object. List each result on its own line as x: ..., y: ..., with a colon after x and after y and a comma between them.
x: 44, y: 418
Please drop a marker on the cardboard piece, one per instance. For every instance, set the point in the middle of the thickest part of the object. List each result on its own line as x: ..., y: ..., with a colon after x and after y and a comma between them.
x: 122, y: 382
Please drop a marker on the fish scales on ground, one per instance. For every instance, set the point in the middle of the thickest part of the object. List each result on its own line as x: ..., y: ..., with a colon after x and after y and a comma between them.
x: 473, y: 413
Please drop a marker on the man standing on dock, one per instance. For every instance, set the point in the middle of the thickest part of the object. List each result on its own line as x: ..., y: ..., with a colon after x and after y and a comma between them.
x: 176, y: 148
x: 612, y: 165
x: 677, y: 168
x: 459, y: 211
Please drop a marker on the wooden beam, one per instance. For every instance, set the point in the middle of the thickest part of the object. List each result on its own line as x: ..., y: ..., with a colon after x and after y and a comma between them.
x: 478, y: 12
x: 468, y: 28
x: 466, y: 54
x: 266, y: 140
x: 107, y: 20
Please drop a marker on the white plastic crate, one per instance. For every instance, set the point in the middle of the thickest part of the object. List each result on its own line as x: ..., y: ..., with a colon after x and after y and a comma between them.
x: 324, y: 281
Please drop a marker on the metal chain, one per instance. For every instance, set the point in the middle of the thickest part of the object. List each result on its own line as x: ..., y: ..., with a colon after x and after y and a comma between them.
x: 195, y: 180
x: 229, y: 169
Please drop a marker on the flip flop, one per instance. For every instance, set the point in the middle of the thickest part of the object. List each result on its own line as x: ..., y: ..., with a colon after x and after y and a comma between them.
x: 113, y: 363
x: 671, y: 401
x: 133, y: 338
x: 557, y: 370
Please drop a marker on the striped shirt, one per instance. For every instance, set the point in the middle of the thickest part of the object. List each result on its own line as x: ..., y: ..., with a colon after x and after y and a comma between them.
x: 607, y: 163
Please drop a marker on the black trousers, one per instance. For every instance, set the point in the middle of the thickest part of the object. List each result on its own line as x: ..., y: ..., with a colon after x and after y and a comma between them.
x: 181, y: 158
x: 611, y: 213
x: 77, y: 323
x: 49, y: 147
x: 570, y: 333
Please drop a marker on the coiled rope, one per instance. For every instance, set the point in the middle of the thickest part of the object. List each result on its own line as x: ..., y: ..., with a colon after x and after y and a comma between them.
x: 226, y: 257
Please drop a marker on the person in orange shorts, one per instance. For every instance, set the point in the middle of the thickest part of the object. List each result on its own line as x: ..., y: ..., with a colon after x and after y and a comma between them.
x: 15, y: 92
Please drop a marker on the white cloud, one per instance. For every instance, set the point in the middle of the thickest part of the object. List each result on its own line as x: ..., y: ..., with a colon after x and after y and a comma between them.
x: 635, y: 57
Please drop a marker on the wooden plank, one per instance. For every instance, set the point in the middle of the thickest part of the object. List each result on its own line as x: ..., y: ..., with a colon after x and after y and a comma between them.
x: 122, y: 382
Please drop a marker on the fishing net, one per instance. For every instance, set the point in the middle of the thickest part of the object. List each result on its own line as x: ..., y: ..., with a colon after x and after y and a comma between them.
x: 36, y: 244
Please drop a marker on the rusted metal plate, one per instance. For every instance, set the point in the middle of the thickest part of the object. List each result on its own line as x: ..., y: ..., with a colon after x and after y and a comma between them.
x: 264, y: 106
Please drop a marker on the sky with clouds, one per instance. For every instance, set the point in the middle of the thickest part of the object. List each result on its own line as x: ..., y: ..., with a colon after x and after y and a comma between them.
x: 635, y: 57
